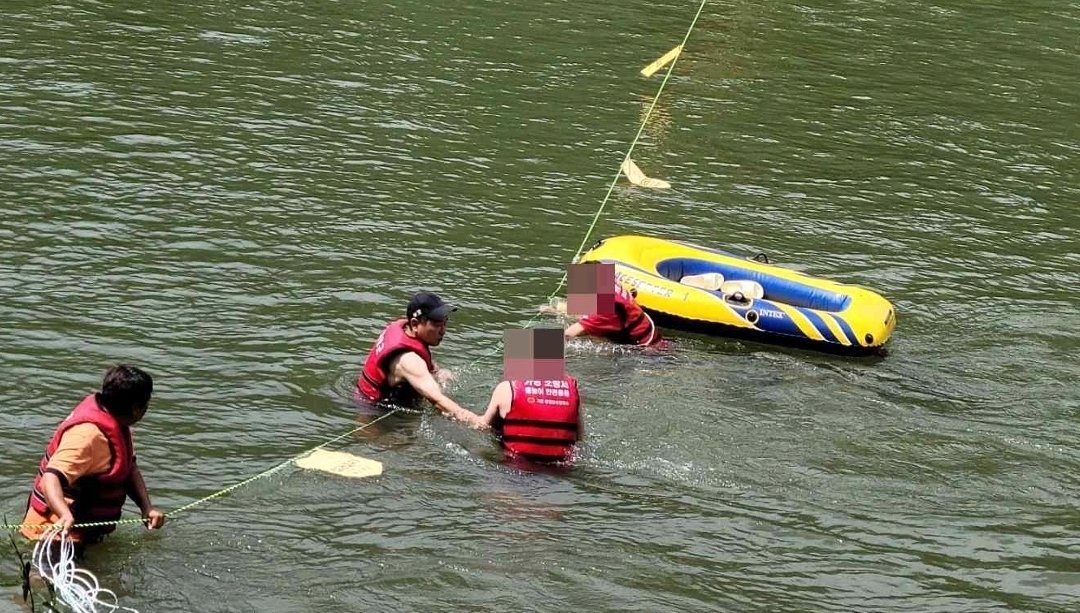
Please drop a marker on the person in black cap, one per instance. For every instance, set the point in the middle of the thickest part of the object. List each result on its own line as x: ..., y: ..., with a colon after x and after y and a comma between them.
x: 399, y: 368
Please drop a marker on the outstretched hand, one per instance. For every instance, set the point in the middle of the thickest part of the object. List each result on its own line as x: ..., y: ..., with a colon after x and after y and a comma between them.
x: 478, y: 422
x: 66, y: 520
x: 556, y: 307
x: 154, y: 518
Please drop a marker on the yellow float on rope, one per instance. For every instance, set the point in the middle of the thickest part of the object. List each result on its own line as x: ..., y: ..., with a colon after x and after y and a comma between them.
x: 651, y: 69
x: 343, y: 464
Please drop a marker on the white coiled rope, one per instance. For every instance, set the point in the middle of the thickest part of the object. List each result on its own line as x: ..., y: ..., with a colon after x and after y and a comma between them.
x: 75, y: 587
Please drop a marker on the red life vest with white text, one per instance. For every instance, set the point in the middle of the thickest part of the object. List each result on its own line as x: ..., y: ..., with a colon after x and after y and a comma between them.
x: 543, y: 421
x: 373, y: 380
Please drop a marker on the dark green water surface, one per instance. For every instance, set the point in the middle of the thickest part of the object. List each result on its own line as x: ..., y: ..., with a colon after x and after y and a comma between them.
x: 238, y: 195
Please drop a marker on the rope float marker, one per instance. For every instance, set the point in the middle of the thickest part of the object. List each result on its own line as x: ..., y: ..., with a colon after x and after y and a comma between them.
x: 662, y: 61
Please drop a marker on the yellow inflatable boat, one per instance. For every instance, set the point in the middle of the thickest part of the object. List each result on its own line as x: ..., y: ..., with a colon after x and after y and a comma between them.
x: 692, y: 288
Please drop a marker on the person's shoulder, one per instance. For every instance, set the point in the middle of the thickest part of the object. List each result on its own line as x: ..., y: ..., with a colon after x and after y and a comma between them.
x: 83, y: 435
x: 407, y: 358
x: 597, y: 323
x: 84, y: 430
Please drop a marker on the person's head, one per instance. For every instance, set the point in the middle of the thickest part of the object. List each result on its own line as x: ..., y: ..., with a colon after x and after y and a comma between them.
x: 125, y: 393
x: 591, y: 288
x: 534, y: 353
x: 427, y: 314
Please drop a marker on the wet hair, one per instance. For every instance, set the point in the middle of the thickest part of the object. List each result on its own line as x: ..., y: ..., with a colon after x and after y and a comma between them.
x: 125, y: 390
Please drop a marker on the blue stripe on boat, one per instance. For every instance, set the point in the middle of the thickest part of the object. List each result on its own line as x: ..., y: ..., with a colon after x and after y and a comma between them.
x: 847, y: 330
x: 820, y: 324
x: 776, y: 288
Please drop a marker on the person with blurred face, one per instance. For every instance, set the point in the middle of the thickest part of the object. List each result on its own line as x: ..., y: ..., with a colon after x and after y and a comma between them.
x: 400, y: 369
x: 89, y: 468
x: 606, y: 309
x: 536, y: 409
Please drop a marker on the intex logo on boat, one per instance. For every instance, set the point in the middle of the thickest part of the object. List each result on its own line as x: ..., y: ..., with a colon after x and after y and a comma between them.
x: 771, y: 314
x: 645, y: 285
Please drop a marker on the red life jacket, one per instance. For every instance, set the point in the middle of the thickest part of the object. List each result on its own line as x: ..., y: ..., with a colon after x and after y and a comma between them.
x: 373, y: 380
x: 543, y: 421
x: 637, y: 326
x: 95, y: 497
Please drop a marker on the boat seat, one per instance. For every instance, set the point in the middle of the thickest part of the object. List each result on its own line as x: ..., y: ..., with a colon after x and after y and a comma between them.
x: 748, y: 288
x: 710, y: 281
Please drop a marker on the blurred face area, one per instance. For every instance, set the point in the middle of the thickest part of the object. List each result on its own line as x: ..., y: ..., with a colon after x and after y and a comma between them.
x: 534, y: 353
x: 591, y: 289
x: 429, y: 331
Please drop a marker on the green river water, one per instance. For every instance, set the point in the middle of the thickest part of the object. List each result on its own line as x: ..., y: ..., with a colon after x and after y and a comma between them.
x: 238, y: 195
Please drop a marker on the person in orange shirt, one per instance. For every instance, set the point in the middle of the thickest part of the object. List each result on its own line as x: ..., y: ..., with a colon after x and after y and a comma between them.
x: 89, y: 468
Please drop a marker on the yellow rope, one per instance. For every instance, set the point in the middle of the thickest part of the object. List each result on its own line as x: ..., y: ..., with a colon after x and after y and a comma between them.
x: 615, y: 179
x: 618, y: 171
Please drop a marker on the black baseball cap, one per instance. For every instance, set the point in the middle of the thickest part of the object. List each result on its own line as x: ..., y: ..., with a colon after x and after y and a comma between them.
x: 429, y: 305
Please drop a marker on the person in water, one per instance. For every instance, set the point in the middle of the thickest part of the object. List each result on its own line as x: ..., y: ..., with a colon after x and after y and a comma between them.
x: 611, y: 314
x: 89, y: 467
x: 536, y: 410
x: 400, y: 369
